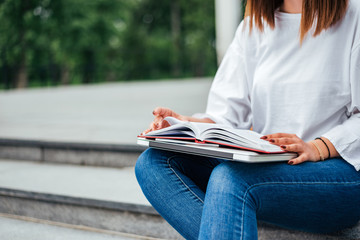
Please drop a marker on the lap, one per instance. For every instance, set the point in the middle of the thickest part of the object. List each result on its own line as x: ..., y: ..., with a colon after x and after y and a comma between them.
x: 304, y: 195
x: 188, y: 168
x: 317, y: 197
x: 334, y: 170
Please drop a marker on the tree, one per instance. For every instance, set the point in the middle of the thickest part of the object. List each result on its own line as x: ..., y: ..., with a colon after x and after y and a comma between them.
x: 50, y: 42
x: 171, y: 38
x: 15, y: 37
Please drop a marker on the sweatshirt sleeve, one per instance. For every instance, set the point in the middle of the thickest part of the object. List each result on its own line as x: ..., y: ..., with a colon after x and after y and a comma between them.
x: 346, y: 137
x: 229, y: 100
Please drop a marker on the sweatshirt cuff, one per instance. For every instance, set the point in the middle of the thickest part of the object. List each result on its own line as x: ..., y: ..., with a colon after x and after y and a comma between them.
x: 340, y: 137
x: 345, y: 142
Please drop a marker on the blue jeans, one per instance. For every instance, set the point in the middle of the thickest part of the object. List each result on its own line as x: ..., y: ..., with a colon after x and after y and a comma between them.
x: 208, y: 198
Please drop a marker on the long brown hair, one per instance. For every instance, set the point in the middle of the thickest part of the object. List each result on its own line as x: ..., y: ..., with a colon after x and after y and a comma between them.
x: 323, y: 13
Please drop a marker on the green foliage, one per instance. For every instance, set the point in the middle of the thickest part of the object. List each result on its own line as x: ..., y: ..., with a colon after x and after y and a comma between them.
x: 51, y: 42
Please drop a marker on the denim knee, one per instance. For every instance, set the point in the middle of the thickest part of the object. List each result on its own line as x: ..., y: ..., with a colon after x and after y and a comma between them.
x: 144, y: 163
x: 229, y: 208
x: 226, y: 179
x: 141, y: 162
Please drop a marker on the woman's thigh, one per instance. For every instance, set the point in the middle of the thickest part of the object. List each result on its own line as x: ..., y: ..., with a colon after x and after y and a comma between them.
x: 159, y: 167
x: 315, y: 197
x: 175, y: 185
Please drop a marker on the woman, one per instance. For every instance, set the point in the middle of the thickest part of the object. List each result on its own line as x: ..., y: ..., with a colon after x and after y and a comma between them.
x: 293, y: 74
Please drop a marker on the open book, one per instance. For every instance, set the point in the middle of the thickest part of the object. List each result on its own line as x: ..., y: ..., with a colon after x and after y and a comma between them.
x: 214, y: 135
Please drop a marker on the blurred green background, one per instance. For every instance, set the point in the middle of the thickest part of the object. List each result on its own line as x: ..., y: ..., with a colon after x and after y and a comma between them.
x: 62, y: 42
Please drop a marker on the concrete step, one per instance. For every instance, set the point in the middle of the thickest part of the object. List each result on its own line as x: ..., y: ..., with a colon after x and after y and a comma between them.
x: 90, y: 154
x: 14, y: 227
x: 100, y: 198
x: 97, y: 197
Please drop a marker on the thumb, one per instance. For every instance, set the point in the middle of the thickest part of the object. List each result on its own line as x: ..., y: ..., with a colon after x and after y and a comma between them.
x: 164, y: 112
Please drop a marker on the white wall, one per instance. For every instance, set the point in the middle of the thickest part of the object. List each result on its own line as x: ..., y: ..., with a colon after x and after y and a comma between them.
x: 228, y: 16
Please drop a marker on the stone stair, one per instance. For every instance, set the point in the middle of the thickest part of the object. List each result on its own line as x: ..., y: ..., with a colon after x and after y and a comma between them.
x: 14, y: 227
x: 89, y: 154
x: 97, y: 197
x: 92, y: 185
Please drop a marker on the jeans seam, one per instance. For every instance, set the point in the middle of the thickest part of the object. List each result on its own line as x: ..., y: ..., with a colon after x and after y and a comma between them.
x: 283, y: 183
x: 243, y: 213
x: 188, y: 188
x: 305, y: 183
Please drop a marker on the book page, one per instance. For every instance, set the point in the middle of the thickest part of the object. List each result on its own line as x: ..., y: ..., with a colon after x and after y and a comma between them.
x: 176, y: 128
x: 222, y: 134
x: 196, y: 127
x: 240, y: 137
x: 233, y: 136
x: 171, y: 132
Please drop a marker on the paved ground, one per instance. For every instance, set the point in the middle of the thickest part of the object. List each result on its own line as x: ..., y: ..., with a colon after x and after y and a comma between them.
x: 104, y: 113
x: 17, y: 228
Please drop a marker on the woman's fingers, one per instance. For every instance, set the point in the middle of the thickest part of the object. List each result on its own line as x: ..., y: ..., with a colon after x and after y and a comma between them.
x: 160, y: 123
x: 146, y: 131
x: 283, y: 141
x: 163, y: 124
x: 154, y: 126
x: 278, y: 135
x: 292, y: 143
x: 160, y: 113
x: 158, y: 119
x: 164, y: 112
x: 293, y: 147
x: 157, y: 124
x: 300, y: 159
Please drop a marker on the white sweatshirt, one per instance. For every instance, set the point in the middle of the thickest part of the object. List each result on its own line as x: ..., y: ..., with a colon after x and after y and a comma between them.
x: 269, y: 81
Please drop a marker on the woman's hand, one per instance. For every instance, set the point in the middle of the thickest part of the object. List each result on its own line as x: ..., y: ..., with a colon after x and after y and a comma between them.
x: 292, y: 143
x: 160, y: 113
